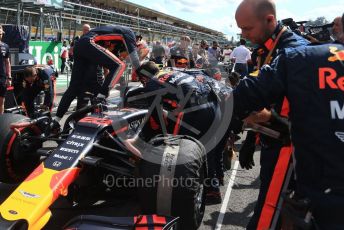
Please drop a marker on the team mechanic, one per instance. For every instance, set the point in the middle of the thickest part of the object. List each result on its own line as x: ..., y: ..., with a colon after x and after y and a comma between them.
x: 37, y: 79
x: 101, y: 46
x: 312, y: 78
x: 257, y: 20
x: 191, y: 97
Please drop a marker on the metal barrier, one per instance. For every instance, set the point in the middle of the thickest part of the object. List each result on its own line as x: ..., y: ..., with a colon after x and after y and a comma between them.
x: 97, y: 16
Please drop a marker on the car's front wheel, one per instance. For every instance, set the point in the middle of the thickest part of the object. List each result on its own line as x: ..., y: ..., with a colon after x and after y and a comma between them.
x: 173, y: 172
x: 17, y: 158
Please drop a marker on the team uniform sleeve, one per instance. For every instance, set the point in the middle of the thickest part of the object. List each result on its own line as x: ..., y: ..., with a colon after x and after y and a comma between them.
x: 254, y: 94
x: 132, y: 49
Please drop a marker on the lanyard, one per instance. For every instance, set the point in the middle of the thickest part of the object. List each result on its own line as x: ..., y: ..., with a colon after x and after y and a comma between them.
x: 273, y: 47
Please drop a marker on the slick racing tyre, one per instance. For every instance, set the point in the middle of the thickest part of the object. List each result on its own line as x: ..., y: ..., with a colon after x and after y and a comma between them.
x: 17, y: 160
x: 13, y: 225
x: 173, y: 171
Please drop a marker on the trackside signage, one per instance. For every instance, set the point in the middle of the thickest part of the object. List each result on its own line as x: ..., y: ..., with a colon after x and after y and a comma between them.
x: 43, y: 51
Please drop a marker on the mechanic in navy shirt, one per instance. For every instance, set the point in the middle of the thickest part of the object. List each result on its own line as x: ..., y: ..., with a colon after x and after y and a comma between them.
x: 312, y: 79
x: 106, y: 46
x: 257, y: 20
x: 37, y: 79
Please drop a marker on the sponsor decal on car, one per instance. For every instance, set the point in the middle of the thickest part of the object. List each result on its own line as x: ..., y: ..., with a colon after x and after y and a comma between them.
x: 28, y: 195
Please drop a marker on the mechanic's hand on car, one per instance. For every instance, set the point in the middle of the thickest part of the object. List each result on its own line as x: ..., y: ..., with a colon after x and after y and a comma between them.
x: 247, y: 151
x: 130, y: 145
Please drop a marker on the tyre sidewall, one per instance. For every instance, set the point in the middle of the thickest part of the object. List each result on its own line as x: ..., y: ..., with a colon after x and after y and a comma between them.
x: 188, y: 177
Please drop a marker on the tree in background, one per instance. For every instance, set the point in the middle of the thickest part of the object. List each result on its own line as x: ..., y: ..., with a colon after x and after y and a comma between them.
x: 319, y: 21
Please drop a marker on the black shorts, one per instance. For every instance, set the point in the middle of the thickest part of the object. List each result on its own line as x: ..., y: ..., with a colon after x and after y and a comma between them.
x: 3, y: 88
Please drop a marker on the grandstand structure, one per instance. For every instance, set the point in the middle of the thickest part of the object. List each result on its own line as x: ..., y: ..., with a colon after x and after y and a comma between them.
x: 46, y: 21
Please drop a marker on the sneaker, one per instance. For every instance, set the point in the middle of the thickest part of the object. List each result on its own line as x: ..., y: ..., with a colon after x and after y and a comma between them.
x: 213, y: 197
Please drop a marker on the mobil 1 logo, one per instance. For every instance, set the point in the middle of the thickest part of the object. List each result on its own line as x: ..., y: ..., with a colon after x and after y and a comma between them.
x: 68, y: 154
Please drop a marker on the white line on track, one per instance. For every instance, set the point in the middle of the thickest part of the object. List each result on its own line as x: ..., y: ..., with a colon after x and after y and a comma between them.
x: 227, y: 195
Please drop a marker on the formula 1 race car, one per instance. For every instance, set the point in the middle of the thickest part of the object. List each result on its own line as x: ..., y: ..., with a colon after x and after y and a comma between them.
x: 91, y: 148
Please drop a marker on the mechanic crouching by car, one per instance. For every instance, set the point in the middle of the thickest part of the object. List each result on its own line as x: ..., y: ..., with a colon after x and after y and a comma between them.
x: 193, y: 108
x: 37, y: 79
x: 106, y: 46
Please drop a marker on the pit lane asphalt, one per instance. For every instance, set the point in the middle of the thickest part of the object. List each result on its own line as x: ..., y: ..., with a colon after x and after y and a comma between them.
x: 239, y: 195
